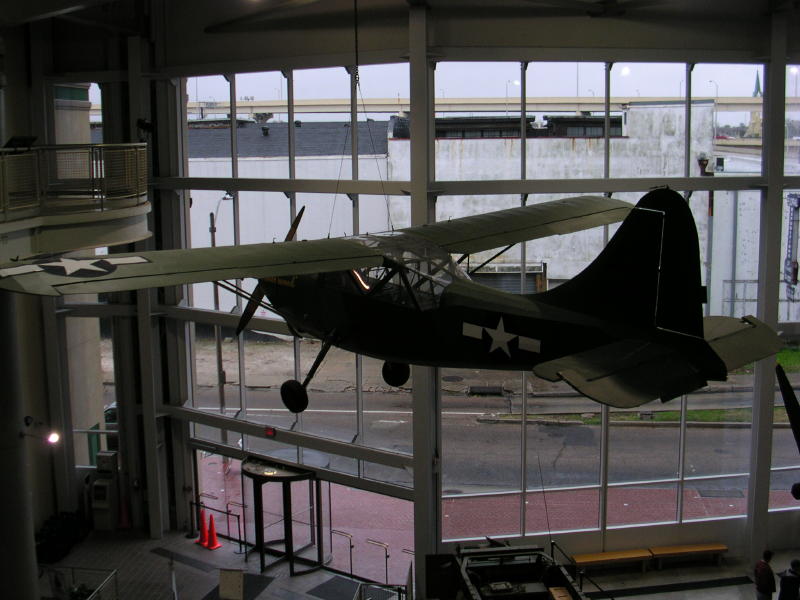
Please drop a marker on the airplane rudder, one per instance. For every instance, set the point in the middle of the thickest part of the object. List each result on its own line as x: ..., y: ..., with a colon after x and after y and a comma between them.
x: 681, y: 293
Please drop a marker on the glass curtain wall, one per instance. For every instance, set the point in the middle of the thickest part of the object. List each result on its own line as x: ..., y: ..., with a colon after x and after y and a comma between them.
x: 241, y: 377
x: 526, y: 453
x: 698, y: 447
x: 785, y: 460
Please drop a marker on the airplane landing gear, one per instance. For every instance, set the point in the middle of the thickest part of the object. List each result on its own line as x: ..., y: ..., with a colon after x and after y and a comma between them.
x: 395, y: 374
x: 295, y: 394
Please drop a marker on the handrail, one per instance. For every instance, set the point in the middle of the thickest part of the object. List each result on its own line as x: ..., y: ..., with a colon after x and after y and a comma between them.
x: 580, y: 573
x: 553, y: 546
x: 64, y: 579
x: 385, y: 554
x: 400, y: 590
x: 71, y: 179
x: 228, y: 514
x: 350, y: 542
x: 99, y: 592
x: 69, y: 147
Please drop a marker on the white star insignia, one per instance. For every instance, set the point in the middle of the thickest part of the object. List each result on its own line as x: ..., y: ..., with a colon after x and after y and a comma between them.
x: 70, y: 265
x: 500, y: 337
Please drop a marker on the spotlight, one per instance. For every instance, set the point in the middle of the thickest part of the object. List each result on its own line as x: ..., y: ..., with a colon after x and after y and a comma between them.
x: 52, y: 438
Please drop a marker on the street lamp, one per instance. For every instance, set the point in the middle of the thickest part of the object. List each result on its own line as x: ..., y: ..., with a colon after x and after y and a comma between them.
x: 515, y: 82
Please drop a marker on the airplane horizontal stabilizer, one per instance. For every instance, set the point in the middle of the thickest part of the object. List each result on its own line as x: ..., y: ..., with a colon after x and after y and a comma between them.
x: 626, y: 373
x: 739, y: 342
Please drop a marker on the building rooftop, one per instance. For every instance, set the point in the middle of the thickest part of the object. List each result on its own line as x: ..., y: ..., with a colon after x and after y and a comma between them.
x: 312, y: 138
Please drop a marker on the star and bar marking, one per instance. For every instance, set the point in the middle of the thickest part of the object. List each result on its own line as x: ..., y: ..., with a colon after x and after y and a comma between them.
x: 500, y: 337
x: 75, y: 267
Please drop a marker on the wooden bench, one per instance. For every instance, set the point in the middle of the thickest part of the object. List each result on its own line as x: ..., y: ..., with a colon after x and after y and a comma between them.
x: 688, y: 550
x: 559, y: 593
x: 614, y: 557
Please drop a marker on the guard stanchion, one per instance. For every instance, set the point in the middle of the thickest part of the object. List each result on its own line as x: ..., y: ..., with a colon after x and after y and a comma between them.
x: 203, y: 539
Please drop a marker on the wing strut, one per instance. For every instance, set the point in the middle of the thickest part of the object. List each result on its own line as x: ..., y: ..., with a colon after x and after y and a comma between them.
x: 259, y: 292
x: 486, y: 262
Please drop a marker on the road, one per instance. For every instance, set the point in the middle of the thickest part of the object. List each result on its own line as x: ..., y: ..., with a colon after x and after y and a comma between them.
x: 480, y: 457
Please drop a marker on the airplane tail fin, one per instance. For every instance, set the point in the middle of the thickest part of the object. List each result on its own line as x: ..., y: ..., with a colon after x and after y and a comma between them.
x: 647, y: 280
x: 648, y: 275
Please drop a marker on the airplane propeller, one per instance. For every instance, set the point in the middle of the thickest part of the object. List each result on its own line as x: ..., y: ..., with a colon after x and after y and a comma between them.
x: 793, y: 412
x: 258, y: 293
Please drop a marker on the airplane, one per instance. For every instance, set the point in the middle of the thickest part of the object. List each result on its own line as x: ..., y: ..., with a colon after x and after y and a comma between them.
x: 626, y: 330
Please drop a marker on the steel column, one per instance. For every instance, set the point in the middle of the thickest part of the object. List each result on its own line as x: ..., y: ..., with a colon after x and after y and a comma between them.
x: 355, y: 201
x: 56, y: 370
x: 147, y: 341
x: 687, y: 150
x: 19, y: 561
x: 426, y: 389
x: 605, y: 422
x: 769, y: 251
x: 523, y: 266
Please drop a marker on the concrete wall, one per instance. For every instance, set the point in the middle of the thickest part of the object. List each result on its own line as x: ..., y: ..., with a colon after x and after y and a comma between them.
x: 652, y: 147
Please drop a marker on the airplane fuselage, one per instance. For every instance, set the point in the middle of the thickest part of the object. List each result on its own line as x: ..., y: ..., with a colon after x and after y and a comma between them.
x: 468, y: 325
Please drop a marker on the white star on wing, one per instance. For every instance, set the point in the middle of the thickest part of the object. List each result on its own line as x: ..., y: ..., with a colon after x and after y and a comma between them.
x: 500, y: 338
x: 70, y: 265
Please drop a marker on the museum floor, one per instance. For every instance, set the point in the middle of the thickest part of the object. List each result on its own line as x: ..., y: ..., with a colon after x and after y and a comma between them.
x: 143, y: 567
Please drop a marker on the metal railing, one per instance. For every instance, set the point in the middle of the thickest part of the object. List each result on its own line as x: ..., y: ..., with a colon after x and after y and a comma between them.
x: 376, y: 591
x: 64, y: 179
x: 86, y: 584
x: 576, y: 573
x: 238, y: 536
x: 350, y: 544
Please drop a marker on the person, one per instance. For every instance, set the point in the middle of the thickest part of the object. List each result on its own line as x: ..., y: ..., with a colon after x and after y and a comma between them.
x: 764, y: 577
x: 790, y: 582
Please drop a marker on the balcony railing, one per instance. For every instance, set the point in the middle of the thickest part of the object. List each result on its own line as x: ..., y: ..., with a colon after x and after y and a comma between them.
x: 65, y: 179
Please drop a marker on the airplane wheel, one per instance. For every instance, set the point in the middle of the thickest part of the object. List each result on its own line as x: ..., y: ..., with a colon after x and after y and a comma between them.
x: 395, y: 374
x: 294, y: 396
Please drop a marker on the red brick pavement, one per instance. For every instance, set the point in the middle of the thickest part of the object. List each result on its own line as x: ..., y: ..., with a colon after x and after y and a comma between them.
x: 365, y: 515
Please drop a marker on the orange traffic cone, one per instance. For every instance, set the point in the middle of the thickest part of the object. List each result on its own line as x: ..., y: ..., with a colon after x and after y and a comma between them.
x: 213, y: 542
x: 203, y: 539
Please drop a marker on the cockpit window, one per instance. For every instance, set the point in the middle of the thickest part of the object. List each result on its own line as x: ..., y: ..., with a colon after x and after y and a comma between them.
x: 416, y: 272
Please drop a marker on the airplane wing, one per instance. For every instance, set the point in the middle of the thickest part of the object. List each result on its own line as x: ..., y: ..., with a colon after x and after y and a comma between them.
x: 119, y: 272
x: 492, y: 230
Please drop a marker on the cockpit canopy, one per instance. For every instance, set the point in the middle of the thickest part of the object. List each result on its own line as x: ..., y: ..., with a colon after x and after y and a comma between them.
x: 415, y: 271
